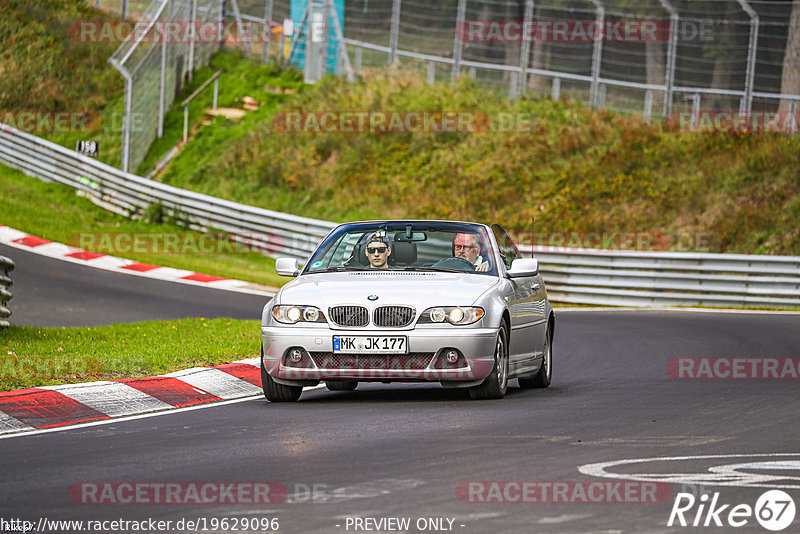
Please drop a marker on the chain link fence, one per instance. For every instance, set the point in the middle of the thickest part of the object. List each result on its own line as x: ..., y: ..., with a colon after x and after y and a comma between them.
x: 737, y: 55
x: 681, y: 55
x: 155, y: 61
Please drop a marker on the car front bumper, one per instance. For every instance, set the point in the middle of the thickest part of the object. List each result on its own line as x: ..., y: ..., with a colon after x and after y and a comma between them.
x: 425, y: 360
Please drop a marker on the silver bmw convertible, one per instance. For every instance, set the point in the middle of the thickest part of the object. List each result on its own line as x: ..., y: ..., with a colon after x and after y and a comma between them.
x: 409, y: 301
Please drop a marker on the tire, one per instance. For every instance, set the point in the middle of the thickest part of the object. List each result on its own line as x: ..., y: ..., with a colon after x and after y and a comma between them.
x: 275, y: 392
x: 341, y: 385
x: 545, y: 373
x: 496, y: 384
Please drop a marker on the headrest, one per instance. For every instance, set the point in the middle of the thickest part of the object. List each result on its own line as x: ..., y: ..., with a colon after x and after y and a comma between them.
x: 403, y: 253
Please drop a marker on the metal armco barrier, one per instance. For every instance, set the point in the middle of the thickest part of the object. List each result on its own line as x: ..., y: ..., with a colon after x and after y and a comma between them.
x: 581, y: 276
x: 6, y: 266
x: 635, y: 278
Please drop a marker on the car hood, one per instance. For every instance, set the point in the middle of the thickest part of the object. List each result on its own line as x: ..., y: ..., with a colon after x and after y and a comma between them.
x: 411, y: 288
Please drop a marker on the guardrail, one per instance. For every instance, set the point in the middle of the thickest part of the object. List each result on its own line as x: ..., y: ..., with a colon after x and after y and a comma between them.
x: 636, y: 278
x: 584, y: 276
x: 6, y: 266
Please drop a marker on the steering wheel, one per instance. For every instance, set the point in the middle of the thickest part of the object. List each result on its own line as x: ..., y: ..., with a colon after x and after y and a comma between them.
x: 458, y: 264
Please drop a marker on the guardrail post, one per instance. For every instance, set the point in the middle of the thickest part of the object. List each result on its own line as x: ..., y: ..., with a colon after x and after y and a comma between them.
x: 185, y: 123
x: 6, y: 266
x: 556, y: 91
x: 394, y: 31
x: 123, y: 11
x: 597, y: 52
x: 457, y: 42
x: 431, y: 73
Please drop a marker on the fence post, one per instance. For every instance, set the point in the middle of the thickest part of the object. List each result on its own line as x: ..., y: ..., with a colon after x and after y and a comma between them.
x: 357, y: 59
x: 193, y: 40
x: 394, y: 31
x: 513, y: 84
x: 123, y: 11
x: 267, y: 31
x: 752, y: 46
x: 597, y: 52
x: 525, y: 49
x: 457, y: 43
x: 672, y: 46
x: 162, y: 84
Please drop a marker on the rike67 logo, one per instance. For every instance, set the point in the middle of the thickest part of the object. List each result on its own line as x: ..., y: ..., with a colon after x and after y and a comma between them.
x: 774, y: 510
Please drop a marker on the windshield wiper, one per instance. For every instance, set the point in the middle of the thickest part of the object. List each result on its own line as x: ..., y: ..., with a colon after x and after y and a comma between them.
x: 434, y: 269
x: 336, y: 270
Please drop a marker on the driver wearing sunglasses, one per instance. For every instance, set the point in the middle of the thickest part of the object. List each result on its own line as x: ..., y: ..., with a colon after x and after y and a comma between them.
x: 378, y: 251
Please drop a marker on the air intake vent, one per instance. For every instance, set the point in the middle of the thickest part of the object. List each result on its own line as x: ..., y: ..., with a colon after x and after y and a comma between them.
x: 393, y: 316
x: 349, y: 315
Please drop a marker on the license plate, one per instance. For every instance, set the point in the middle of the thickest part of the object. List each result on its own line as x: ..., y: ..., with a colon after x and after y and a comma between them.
x: 370, y: 344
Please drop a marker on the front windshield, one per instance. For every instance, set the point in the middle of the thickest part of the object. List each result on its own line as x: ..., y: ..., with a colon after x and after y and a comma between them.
x: 401, y: 245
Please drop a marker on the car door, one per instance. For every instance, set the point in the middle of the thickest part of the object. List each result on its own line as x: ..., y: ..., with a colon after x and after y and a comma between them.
x: 526, y: 307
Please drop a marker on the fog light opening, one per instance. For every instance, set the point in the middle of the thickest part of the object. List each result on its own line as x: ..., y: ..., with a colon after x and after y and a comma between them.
x: 451, y: 356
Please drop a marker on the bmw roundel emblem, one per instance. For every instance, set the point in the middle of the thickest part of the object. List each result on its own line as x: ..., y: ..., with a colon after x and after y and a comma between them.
x: 372, y: 297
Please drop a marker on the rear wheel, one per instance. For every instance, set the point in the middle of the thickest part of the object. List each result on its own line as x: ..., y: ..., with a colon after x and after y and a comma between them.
x: 542, y: 377
x: 275, y: 392
x: 341, y: 385
x: 496, y: 384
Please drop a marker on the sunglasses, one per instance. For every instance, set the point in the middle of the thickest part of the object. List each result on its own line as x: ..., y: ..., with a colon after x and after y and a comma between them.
x: 373, y: 250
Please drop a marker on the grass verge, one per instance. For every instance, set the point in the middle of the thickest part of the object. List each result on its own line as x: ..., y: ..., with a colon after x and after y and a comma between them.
x: 33, y: 356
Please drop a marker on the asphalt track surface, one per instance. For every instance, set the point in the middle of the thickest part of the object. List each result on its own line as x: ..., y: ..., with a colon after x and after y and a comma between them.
x: 403, y: 450
x: 52, y: 292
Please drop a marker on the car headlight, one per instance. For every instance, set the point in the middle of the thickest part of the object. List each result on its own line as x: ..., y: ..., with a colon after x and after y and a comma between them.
x: 457, y: 315
x: 293, y: 314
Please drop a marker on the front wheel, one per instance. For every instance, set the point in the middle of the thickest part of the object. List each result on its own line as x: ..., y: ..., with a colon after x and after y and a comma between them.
x: 496, y: 384
x: 545, y: 373
x: 275, y: 392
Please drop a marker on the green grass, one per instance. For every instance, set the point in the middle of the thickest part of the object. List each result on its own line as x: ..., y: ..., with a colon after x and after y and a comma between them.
x: 32, y: 356
x: 57, y: 213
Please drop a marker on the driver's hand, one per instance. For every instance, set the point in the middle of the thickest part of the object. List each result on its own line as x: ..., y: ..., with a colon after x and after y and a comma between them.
x: 483, y: 267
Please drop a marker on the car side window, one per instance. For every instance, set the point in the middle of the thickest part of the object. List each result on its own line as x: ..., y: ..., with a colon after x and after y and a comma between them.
x: 508, y: 249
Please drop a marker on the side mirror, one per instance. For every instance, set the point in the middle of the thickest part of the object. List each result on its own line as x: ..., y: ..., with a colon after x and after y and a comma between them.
x: 287, y: 267
x: 522, y: 267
